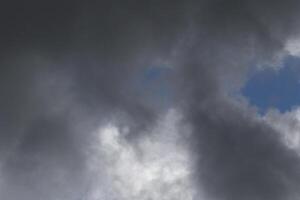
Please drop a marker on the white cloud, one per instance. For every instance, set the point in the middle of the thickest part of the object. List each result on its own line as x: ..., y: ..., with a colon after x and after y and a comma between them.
x: 288, y: 125
x: 293, y: 47
x: 156, y: 168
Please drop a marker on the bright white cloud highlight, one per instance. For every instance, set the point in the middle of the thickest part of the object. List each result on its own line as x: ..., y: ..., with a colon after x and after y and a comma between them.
x: 157, y: 167
x: 288, y: 124
x: 293, y: 47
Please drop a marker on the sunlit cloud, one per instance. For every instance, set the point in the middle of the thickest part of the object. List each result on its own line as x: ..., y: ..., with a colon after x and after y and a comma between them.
x: 158, y: 167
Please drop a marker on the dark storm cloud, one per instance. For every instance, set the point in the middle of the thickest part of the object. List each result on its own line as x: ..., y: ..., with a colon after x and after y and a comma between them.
x: 66, y: 65
x: 64, y: 68
x: 239, y: 157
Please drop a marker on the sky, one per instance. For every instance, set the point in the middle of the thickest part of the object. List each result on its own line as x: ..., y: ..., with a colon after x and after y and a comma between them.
x: 133, y: 100
x: 279, y: 89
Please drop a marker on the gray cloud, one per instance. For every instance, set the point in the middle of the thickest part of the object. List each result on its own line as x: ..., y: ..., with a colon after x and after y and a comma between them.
x: 69, y: 67
x: 240, y: 157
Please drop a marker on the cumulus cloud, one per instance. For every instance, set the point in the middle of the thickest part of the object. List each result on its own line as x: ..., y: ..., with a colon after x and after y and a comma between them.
x: 78, y: 120
x: 288, y: 126
x: 157, y: 167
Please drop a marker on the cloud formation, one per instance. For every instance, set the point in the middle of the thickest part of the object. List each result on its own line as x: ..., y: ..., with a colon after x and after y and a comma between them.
x: 68, y: 68
x: 157, y: 167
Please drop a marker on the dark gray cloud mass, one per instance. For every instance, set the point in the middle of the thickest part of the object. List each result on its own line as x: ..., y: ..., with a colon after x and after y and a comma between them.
x: 67, y: 66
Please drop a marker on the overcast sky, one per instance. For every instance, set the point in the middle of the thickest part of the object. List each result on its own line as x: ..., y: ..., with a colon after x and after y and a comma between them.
x: 150, y: 100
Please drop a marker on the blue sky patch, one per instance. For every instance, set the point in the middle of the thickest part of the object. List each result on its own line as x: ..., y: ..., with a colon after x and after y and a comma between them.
x: 153, y: 85
x: 271, y: 88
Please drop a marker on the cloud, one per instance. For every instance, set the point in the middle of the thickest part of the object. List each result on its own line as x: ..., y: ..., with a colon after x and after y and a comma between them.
x: 288, y: 126
x: 157, y: 167
x: 68, y: 68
